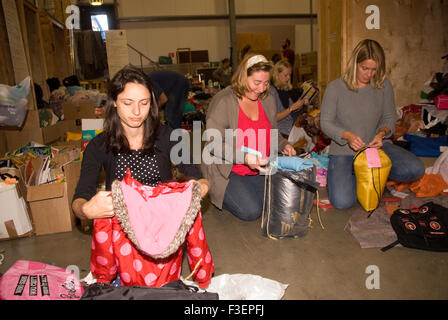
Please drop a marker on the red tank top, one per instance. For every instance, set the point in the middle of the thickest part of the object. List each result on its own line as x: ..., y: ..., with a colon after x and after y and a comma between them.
x: 259, y: 138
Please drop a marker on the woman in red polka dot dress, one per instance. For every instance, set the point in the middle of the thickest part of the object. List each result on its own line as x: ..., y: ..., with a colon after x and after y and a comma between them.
x: 135, y: 150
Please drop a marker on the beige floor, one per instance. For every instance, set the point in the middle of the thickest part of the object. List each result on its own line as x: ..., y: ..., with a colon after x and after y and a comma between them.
x: 325, y: 264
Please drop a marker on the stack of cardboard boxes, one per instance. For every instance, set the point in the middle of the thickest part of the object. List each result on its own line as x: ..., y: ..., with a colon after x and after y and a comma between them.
x: 48, y: 204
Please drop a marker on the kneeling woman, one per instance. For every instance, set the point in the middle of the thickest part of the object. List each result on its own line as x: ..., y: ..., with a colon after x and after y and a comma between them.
x: 358, y: 110
x: 133, y: 140
x: 246, y: 108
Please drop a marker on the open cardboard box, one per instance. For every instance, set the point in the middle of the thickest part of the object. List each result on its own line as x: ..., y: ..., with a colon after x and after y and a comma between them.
x: 15, y: 138
x: 50, y: 204
x: 83, y: 109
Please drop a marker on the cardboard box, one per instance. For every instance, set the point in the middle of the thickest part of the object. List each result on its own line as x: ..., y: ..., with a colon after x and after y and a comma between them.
x: 83, y: 109
x: 308, y: 73
x: 31, y: 131
x: 15, y: 221
x: 50, y: 204
x: 308, y: 59
x: 78, y: 110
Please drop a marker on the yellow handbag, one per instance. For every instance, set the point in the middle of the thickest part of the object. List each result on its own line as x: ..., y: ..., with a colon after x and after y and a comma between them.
x: 370, y: 182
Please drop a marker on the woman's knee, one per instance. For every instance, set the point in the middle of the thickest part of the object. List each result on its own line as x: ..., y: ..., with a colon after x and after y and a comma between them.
x: 342, y: 203
x: 412, y: 171
x: 251, y: 215
x: 245, y: 208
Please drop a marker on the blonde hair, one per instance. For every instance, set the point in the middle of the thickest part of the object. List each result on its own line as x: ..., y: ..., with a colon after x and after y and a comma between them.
x: 365, y: 50
x: 239, y: 78
x: 279, y: 67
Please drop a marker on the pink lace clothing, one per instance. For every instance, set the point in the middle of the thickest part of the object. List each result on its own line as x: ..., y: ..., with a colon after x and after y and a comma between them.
x: 154, y: 214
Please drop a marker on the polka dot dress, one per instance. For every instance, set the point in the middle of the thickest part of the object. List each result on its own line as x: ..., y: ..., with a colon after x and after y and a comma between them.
x: 143, y: 167
x: 113, y: 253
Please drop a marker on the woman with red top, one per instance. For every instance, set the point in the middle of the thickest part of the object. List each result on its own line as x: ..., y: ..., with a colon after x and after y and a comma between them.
x: 246, y: 108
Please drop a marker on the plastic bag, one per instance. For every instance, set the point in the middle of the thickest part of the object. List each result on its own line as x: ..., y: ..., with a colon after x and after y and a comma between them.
x: 30, y: 280
x: 245, y: 287
x: 13, y: 101
x: 288, y: 201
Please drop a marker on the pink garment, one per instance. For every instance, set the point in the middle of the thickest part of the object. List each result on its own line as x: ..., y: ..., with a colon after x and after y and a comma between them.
x: 155, y: 219
x: 28, y: 280
x: 144, y: 242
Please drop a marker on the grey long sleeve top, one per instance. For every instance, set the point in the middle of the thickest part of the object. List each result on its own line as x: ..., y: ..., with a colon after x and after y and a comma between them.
x: 363, y: 112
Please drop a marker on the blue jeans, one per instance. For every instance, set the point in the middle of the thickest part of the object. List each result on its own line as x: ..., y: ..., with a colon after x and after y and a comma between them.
x: 244, y: 196
x: 341, y: 181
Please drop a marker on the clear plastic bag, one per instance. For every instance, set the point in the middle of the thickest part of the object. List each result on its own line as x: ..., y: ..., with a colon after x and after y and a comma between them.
x: 13, y: 102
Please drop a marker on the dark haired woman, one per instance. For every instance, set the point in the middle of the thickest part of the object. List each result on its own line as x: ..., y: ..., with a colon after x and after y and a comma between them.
x: 132, y: 139
x: 244, y: 107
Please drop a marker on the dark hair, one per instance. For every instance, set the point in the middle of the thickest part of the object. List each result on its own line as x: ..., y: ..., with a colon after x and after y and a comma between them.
x: 276, y: 58
x: 115, y: 138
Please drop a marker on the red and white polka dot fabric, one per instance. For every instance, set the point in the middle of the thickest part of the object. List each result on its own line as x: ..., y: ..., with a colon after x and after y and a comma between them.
x: 113, y: 253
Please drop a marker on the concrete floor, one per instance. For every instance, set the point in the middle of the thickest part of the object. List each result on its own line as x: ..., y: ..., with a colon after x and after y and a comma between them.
x: 325, y: 264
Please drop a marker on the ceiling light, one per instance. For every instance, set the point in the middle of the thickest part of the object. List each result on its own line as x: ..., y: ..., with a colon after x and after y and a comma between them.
x: 96, y: 2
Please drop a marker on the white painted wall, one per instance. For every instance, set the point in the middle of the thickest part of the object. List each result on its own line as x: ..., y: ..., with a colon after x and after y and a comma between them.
x: 156, y: 39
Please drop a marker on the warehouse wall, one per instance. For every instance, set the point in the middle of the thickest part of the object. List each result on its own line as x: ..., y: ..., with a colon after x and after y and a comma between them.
x: 414, y: 34
x: 159, y: 38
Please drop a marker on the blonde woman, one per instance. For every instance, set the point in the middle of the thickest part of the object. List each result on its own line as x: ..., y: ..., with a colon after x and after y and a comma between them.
x: 237, y: 186
x: 358, y: 110
x: 287, y: 110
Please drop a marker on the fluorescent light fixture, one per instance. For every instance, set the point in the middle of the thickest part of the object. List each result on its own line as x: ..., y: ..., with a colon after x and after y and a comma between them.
x: 96, y: 2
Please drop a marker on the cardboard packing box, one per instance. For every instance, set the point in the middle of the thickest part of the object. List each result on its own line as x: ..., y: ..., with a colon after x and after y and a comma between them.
x: 308, y: 59
x: 31, y: 131
x: 50, y: 204
x: 83, y: 109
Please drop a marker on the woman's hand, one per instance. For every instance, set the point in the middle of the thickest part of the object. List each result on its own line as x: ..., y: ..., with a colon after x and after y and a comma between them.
x: 205, y: 186
x: 100, y: 206
x: 289, y: 151
x: 354, y: 141
x: 255, y: 163
x: 299, y: 104
x: 377, y: 142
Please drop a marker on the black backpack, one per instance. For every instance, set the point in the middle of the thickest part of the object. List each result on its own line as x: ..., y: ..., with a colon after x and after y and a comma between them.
x: 422, y: 228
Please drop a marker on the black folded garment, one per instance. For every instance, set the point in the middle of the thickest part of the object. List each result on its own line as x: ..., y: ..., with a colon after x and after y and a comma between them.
x: 175, y: 290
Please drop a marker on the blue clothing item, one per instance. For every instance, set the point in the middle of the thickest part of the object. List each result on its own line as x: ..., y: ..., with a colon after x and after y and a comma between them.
x: 176, y: 88
x: 292, y: 163
x: 321, y: 159
x: 116, y: 282
x: 341, y: 180
x: 244, y: 196
x: 426, y: 147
